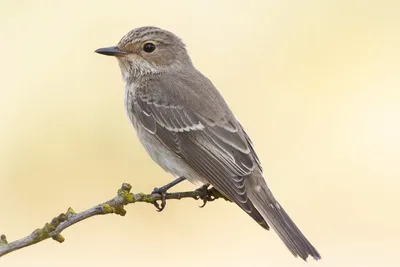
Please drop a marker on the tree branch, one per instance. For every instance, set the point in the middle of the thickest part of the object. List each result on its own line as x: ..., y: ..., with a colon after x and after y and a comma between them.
x: 116, y: 205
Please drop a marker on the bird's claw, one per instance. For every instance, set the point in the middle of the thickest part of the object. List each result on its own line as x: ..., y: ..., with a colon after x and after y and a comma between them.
x: 206, y: 195
x: 163, y: 193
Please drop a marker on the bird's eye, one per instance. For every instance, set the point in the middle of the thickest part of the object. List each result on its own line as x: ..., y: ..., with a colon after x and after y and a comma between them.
x: 149, y: 47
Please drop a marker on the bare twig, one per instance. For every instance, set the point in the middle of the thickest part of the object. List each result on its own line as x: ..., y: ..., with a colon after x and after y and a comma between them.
x: 116, y: 205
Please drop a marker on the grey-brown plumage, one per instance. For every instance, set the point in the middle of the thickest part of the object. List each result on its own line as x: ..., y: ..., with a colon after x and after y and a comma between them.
x: 188, y: 129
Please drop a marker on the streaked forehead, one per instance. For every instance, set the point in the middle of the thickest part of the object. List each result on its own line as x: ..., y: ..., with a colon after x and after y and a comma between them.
x: 148, y: 33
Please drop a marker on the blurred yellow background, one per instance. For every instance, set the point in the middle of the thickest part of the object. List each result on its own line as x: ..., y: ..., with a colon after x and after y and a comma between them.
x: 315, y: 83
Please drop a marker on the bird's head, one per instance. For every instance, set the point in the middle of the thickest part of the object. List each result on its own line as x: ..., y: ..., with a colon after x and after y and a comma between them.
x: 148, y: 50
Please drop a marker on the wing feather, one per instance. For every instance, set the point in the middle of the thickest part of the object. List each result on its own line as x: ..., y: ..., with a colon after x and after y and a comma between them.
x: 215, y: 151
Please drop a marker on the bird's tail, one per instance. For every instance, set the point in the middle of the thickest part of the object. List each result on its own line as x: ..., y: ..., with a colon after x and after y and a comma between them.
x: 279, y: 220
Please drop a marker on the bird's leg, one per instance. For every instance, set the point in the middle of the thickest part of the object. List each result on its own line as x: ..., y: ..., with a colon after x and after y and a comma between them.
x: 206, y: 194
x: 162, y: 191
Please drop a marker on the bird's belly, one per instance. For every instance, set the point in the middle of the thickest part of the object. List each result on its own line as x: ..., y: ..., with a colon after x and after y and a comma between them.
x: 165, y: 158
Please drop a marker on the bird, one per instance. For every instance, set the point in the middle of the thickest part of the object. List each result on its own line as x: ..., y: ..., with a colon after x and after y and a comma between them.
x: 187, y: 128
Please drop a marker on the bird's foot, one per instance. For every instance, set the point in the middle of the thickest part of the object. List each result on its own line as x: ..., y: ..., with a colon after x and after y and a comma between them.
x: 162, y: 191
x: 206, y: 194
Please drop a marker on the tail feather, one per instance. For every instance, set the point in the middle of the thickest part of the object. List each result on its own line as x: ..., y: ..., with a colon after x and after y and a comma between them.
x: 280, y: 221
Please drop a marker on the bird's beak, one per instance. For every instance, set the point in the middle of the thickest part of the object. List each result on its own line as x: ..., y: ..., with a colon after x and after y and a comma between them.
x: 111, y: 51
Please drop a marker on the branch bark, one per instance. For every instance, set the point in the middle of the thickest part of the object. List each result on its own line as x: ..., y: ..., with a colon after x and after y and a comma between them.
x: 115, y: 205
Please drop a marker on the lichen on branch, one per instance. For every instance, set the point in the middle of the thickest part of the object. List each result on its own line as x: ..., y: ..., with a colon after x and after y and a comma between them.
x: 115, y: 205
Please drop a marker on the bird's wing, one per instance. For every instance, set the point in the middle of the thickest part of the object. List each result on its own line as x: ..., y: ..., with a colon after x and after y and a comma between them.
x: 207, y: 137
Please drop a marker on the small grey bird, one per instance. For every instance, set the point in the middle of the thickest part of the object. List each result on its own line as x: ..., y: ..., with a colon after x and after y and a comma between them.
x: 188, y: 129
